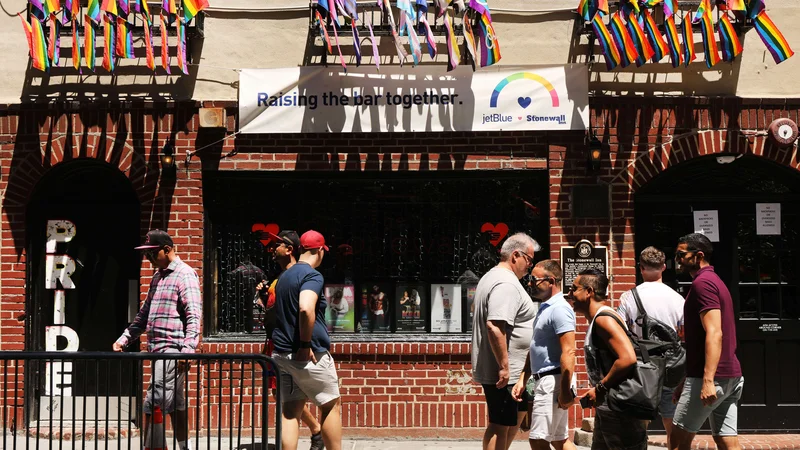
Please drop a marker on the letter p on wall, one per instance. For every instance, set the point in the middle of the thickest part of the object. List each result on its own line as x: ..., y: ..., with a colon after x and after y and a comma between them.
x: 58, y: 231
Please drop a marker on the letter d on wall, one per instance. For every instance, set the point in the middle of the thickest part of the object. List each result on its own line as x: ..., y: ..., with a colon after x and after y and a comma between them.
x: 51, y: 338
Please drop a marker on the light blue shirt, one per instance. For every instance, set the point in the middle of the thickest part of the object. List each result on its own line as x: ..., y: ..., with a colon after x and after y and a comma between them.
x: 555, y: 317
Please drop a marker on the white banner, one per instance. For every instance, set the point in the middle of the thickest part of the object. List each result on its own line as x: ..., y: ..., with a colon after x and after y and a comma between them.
x: 326, y: 99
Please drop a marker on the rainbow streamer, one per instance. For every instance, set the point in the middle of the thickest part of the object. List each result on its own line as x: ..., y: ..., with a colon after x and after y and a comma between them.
x: 28, y: 33
x: 356, y: 42
x: 89, y: 34
x: 469, y: 41
x: 728, y: 39
x: 688, y: 40
x: 109, y: 6
x: 72, y: 11
x: 627, y: 50
x: 93, y: 11
x: 656, y: 40
x: 643, y: 47
x: 387, y: 9
x: 453, y: 54
x: 76, y: 47
x: 375, y: 55
x: 54, y: 43
x: 430, y: 39
x: 192, y: 7
x: 772, y: 38
x: 709, y: 41
x: 124, y: 39
x: 164, y: 44
x: 673, y: 42
x: 703, y: 10
x: 339, y: 48
x: 108, y: 43
x: 146, y: 13
x: 39, y: 47
x: 182, y: 62
x: 168, y: 7
x: 148, y: 46
x: 413, y: 41
x: 610, y: 50
x: 670, y: 6
x: 736, y: 5
x: 324, y: 32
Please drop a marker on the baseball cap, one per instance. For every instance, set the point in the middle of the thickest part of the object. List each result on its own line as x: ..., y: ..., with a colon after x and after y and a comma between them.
x: 288, y: 237
x: 312, y: 239
x: 155, y: 239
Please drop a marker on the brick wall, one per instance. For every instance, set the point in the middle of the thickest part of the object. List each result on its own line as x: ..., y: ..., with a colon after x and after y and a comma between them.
x: 418, y: 385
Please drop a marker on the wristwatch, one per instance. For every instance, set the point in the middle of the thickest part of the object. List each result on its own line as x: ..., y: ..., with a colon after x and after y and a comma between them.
x: 306, y: 344
x: 600, y: 387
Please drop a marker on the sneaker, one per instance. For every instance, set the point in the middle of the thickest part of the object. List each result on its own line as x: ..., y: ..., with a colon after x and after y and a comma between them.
x: 316, y: 442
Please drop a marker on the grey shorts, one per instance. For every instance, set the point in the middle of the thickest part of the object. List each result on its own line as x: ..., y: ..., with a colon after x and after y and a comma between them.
x: 722, y: 415
x: 167, y: 387
x: 302, y: 380
x: 666, y: 409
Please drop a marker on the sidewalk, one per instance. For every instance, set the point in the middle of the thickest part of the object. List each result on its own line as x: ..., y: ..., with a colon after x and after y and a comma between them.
x: 747, y: 441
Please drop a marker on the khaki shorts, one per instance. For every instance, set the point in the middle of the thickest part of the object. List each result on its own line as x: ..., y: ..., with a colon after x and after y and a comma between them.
x: 166, y: 388
x: 548, y: 421
x: 304, y: 380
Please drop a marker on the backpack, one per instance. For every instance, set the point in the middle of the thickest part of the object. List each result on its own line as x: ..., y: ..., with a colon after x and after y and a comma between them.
x: 639, y: 395
x: 663, y: 342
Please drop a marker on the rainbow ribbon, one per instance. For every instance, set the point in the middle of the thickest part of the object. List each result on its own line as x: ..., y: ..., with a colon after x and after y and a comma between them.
x: 728, y: 39
x: 324, y: 32
x: 76, y: 46
x: 28, y: 34
x: 146, y: 13
x: 108, y: 43
x: 54, y: 46
x: 168, y: 6
x: 192, y: 7
x: 90, y: 36
x: 709, y: 41
x: 772, y: 38
x: 39, y: 47
x: 182, y: 62
x: 341, y: 57
x: 622, y: 38
x: 148, y: 46
x: 356, y: 42
x: 93, y: 11
x: 165, y: 63
x: 425, y: 27
x: 375, y: 55
x: 656, y: 40
x: 610, y: 51
x: 453, y: 54
x: 688, y: 40
x: 673, y: 42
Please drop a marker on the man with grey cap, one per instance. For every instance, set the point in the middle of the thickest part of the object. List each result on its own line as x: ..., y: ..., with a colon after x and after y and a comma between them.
x: 171, y: 316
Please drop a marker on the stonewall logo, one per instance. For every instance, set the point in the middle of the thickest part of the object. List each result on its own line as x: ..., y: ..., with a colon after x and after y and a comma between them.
x: 525, y: 101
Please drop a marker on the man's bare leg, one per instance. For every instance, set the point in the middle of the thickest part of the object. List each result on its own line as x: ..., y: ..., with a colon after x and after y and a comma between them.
x: 331, y: 425
x: 668, y: 427
x: 310, y: 420
x: 291, y: 423
x: 727, y: 442
x: 495, y: 437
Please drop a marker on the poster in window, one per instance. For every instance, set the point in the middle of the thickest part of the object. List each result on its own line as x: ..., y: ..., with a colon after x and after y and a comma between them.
x: 376, y: 301
x: 340, y: 313
x: 446, y: 308
x: 411, y: 307
x: 468, y: 293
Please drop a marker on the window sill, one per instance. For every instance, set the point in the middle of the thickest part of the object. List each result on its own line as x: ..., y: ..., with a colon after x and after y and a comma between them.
x: 353, y: 337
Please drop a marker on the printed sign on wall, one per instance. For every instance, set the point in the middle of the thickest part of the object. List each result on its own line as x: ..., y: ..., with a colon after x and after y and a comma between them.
x: 446, y: 308
x: 376, y: 299
x: 411, y: 307
x: 340, y: 313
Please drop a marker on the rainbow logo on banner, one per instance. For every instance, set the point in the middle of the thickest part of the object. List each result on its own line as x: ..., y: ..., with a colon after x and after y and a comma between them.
x: 524, y: 76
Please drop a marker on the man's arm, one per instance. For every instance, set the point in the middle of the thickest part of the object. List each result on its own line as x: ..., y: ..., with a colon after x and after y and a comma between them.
x: 618, y: 342
x: 497, y: 340
x: 139, y: 324
x: 516, y: 392
x: 308, y: 315
x: 712, y: 323
x: 567, y: 341
x: 192, y: 302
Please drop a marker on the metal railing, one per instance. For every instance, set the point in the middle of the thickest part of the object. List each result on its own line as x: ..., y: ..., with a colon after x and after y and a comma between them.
x: 94, y: 400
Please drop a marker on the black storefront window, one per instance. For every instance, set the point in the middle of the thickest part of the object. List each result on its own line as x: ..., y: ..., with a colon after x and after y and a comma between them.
x: 406, y: 249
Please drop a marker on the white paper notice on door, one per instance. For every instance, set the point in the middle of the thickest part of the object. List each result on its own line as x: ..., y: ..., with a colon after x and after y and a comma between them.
x: 768, y: 219
x: 707, y: 222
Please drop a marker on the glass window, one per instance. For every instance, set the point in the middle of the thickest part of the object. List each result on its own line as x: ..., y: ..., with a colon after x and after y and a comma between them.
x: 405, y: 246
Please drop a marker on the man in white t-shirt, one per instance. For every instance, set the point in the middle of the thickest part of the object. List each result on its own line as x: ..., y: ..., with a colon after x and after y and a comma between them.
x: 661, y: 302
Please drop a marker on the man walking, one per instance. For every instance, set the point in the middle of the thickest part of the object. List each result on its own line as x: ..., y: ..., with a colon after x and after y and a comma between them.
x: 552, y: 361
x: 662, y: 303
x: 171, y: 315
x: 302, y: 346
x: 501, y: 336
x: 285, y: 248
x: 714, y: 379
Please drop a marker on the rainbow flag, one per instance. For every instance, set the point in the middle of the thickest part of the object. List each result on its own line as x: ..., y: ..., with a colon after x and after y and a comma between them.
x: 53, y: 6
x: 703, y: 10
x: 324, y: 32
x: 602, y: 5
x: 736, y: 5
x: 656, y: 40
x: 688, y: 40
x: 610, y: 51
x: 76, y: 47
x: 89, y: 49
x: 673, y: 42
x: 469, y: 42
x: 583, y: 10
x: 670, y: 6
x: 54, y: 43
x: 182, y: 63
x: 643, y: 48
x: 168, y: 7
x: 729, y: 40
x: 124, y: 39
x: 490, y: 46
x: 148, y: 46
x: 39, y: 47
x: 622, y: 38
x: 39, y: 9
x: 72, y: 9
x: 109, y: 6
x: 146, y: 13
x: 773, y: 38
x: 429, y: 37
x: 651, y: 3
x: 192, y: 7
x: 108, y: 43
x: 28, y: 33
x: 635, y: 5
x: 709, y: 41
x: 453, y: 53
x: 164, y: 43
x: 754, y: 8
x: 413, y: 41
x: 124, y: 7
x: 93, y: 11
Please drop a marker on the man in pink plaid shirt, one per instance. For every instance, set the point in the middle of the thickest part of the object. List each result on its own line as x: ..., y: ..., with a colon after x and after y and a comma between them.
x: 171, y: 316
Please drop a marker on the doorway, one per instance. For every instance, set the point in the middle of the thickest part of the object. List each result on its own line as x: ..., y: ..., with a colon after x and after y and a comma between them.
x: 100, y: 201
x: 761, y: 270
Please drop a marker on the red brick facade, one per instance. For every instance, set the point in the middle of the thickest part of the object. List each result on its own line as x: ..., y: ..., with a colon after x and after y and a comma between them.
x: 385, y: 385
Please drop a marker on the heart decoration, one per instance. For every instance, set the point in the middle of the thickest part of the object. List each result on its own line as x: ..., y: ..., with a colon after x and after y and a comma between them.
x: 263, y: 229
x: 497, y: 232
x: 524, y: 101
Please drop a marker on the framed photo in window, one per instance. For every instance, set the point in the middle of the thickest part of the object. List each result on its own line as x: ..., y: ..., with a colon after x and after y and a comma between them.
x: 412, y: 307
x: 446, y: 308
x: 376, y: 306
x: 340, y: 313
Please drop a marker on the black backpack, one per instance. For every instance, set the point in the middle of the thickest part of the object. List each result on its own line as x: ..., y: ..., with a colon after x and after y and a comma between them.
x: 662, y: 342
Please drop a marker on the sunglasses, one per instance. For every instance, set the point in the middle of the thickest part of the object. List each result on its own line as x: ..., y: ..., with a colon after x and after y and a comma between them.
x: 574, y: 288
x: 537, y: 280
x: 680, y: 254
x: 528, y: 257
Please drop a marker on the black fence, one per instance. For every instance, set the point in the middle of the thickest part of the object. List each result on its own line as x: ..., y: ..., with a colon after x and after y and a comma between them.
x: 88, y: 400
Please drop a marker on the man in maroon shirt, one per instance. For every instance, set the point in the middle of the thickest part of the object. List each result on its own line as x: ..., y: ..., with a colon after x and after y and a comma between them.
x: 714, y: 381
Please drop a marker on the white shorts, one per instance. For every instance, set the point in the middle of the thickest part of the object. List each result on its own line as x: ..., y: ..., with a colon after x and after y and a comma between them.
x: 304, y: 380
x: 548, y: 421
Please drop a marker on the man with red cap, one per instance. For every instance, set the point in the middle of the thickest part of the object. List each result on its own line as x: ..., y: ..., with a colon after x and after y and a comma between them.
x: 302, y: 346
x: 171, y: 315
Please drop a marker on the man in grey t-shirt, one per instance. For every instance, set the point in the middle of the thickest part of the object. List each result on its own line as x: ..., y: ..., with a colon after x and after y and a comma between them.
x: 501, y: 333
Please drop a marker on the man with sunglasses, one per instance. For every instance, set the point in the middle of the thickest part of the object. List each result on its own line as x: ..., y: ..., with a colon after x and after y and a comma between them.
x: 171, y: 315
x: 714, y: 381
x: 501, y: 336
x: 552, y: 361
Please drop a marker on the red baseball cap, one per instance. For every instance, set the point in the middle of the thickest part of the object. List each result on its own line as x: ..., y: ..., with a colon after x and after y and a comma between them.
x: 312, y: 239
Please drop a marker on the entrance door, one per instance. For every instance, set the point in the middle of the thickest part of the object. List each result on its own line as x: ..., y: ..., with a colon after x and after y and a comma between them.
x: 761, y: 271
x: 101, y: 203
